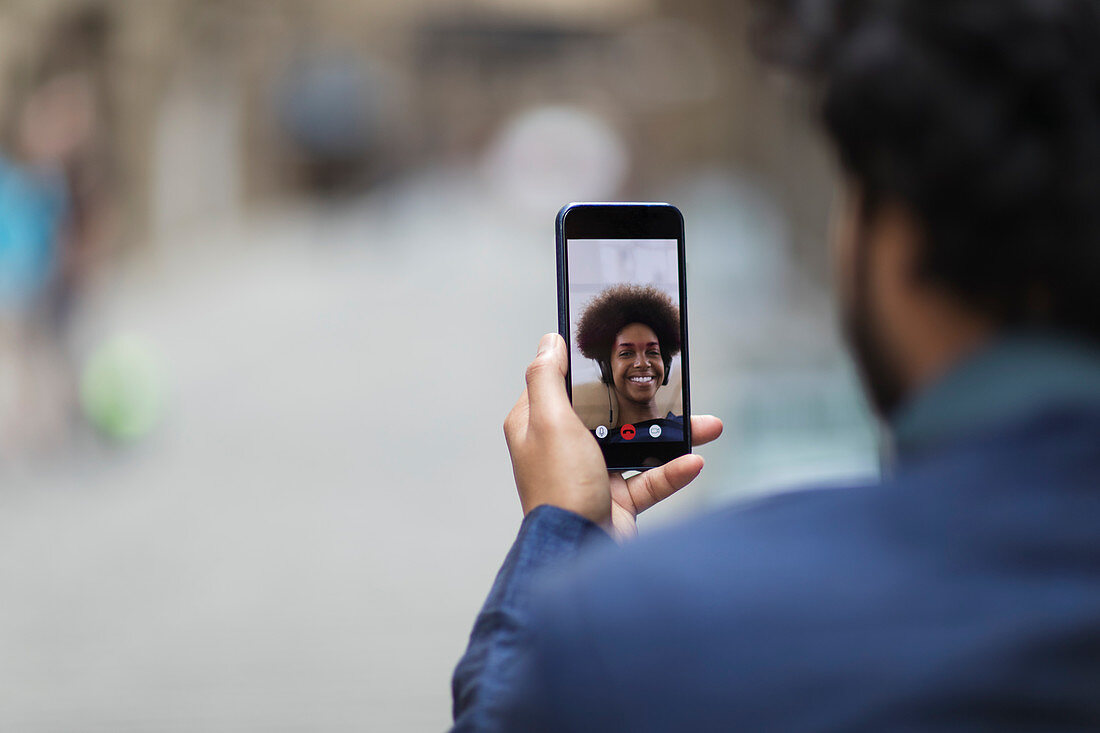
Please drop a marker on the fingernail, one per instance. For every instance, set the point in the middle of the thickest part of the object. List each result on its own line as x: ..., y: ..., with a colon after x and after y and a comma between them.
x: 546, y: 344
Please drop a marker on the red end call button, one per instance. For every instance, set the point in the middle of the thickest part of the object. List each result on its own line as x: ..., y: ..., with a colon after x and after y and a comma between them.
x: 628, y: 432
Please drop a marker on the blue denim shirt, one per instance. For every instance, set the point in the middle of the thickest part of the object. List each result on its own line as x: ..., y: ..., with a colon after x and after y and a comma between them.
x: 1016, y: 376
x: 549, y: 537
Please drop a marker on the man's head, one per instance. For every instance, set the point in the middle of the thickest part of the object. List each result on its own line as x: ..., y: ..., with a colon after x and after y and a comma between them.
x: 969, y: 136
x: 633, y: 332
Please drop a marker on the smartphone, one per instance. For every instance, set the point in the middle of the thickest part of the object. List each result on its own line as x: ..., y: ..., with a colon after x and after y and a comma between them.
x: 622, y: 309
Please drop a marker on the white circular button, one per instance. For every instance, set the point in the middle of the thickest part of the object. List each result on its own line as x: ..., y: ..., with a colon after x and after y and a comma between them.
x: 655, y: 431
x: 601, y: 432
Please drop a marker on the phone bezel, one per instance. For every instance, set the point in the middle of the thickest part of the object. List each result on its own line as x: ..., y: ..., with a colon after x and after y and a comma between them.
x: 627, y: 221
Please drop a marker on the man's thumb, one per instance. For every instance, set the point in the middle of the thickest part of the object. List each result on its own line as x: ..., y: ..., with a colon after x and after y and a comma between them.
x: 546, y: 375
x: 548, y: 342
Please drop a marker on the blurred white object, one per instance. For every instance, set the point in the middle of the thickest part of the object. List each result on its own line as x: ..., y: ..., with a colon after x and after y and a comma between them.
x: 549, y: 156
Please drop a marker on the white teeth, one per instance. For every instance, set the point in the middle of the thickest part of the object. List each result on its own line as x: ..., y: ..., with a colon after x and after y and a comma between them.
x: 641, y: 380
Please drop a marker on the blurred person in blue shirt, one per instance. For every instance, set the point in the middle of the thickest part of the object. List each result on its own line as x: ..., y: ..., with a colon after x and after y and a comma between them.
x: 960, y: 592
x: 33, y: 205
x: 34, y: 214
x: 51, y: 218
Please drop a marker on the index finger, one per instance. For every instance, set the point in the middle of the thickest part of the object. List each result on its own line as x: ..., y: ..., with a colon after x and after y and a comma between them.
x: 705, y: 429
x: 657, y: 484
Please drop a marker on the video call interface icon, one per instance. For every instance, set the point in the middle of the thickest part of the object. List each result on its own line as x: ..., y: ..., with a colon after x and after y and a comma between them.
x: 629, y: 432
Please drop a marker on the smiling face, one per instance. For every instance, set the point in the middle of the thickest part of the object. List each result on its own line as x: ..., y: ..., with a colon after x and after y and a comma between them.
x: 636, y: 364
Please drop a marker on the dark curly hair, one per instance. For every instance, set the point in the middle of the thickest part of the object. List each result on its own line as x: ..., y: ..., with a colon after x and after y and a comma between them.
x: 616, y: 308
x: 981, y: 116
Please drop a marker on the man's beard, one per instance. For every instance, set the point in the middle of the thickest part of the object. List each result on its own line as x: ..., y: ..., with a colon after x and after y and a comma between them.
x: 881, y: 375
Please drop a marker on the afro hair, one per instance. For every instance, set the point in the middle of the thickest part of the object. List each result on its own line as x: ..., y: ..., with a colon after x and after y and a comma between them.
x: 616, y: 308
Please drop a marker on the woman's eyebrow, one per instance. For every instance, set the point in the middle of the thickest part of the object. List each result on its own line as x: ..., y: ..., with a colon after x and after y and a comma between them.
x: 624, y: 344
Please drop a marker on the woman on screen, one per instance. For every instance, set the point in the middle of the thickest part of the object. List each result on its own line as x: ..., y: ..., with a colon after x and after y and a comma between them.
x: 633, y: 332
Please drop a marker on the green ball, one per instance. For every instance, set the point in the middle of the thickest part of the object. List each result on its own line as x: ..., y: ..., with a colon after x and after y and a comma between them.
x: 122, y: 389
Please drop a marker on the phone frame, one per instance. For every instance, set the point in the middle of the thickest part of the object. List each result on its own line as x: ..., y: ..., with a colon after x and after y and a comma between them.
x: 627, y: 221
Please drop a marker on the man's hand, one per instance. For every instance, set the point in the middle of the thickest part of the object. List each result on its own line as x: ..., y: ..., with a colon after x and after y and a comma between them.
x: 557, y: 461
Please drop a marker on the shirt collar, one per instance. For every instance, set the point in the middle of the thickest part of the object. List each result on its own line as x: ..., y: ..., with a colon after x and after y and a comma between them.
x: 1013, y: 377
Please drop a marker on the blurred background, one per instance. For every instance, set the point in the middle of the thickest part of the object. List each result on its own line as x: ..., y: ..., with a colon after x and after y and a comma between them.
x: 270, y: 272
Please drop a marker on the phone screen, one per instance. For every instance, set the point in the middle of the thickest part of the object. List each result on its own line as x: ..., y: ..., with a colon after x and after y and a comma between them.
x: 622, y: 303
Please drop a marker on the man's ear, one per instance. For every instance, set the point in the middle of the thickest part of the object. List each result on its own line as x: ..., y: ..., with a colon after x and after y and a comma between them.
x: 894, y: 244
x: 927, y: 326
x: 880, y: 242
x: 895, y: 228
x: 872, y: 221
